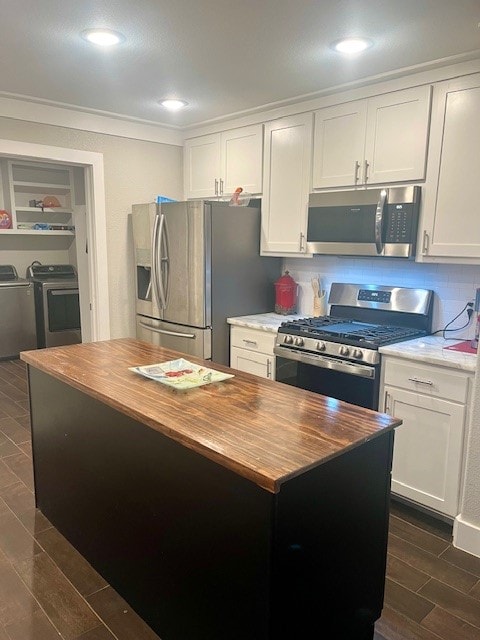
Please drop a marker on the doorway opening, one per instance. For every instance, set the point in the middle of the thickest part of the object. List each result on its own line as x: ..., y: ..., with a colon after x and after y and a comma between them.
x: 85, y: 247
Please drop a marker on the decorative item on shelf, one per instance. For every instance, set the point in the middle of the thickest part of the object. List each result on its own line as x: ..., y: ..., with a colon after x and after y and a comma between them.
x: 62, y: 227
x: 319, y: 298
x: 48, y: 202
x: 42, y: 226
x: 286, y: 295
x: 239, y: 198
x: 5, y: 219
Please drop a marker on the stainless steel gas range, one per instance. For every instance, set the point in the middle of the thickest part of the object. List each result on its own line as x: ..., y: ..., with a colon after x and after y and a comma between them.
x: 337, y: 355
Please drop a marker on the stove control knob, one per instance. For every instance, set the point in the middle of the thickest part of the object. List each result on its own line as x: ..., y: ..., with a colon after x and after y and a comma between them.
x: 288, y: 340
x: 344, y: 351
x: 358, y: 353
x: 321, y: 346
x: 299, y: 342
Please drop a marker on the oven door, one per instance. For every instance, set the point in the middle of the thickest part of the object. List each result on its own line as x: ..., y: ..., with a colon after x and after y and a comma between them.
x: 340, y: 379
x: 61, y: 314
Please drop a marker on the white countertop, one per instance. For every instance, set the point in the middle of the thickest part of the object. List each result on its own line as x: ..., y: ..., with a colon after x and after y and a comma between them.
x: 430, y: 349
x: 262, y: 321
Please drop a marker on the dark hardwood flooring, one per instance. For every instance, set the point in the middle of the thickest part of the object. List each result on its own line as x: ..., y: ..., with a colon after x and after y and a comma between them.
x: 48, y: 591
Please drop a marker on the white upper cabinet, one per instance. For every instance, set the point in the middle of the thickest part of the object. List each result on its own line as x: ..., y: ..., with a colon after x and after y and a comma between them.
x: 215, y: 165
x: 202, y: 166
x: 451, y: 226
x: 287, y: 183
x: 339, y: 144
x: 377, y: 140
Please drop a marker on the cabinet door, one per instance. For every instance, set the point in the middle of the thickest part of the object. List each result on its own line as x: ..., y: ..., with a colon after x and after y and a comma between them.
x: 397, y: 135
x: 428, y: 449
x: 202, y: 166
x: 339, y: 145
x: 242, y: 160
x: 451, y: 202
x: 286, y: 185
x: 260, y: 364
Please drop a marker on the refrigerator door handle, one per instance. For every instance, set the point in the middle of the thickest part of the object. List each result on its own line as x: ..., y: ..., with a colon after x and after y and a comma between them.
x: 165, y: 260
x: 176, y: 334
x: 154, y: 275
x: 158, y: 266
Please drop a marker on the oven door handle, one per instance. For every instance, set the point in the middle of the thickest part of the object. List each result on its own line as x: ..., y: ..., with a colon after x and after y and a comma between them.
x: 63, y: 292
x: 324, y: 362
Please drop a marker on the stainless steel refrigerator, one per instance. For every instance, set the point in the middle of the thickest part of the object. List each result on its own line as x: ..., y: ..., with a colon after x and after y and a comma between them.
x: 197, y: 263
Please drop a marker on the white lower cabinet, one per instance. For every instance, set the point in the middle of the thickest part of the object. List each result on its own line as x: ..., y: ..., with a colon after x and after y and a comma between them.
x: 252, y: 351
x: 433, y: 404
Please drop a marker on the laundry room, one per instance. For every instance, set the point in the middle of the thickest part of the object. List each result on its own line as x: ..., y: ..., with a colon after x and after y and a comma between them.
x: 42, y: 222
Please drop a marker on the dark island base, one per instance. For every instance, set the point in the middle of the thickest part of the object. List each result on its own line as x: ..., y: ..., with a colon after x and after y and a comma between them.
x: 200, y: 552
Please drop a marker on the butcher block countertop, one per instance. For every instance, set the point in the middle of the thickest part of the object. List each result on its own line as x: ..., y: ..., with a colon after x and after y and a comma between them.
x: 265, y: 431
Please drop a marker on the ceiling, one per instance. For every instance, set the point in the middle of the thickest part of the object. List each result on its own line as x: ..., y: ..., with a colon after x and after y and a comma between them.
x: 224, y: 57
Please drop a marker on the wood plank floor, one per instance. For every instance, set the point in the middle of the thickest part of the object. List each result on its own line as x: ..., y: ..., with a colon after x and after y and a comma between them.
x: 48, y: 591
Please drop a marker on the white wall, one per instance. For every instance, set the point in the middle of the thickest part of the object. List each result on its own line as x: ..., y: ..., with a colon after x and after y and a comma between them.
x: 21, y: 251
x: 454, y: 285
x: 135, y: 171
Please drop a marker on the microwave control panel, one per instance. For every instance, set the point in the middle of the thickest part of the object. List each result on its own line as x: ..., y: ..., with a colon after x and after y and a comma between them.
x: 399, y: 223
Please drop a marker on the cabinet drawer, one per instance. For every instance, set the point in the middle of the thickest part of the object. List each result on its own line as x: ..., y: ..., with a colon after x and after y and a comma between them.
x: 262, y: 341
x: 259, y: 364
x: 432, y: 381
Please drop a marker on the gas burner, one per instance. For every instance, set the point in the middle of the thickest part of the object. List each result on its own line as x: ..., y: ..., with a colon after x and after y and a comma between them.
x: 357, y: 321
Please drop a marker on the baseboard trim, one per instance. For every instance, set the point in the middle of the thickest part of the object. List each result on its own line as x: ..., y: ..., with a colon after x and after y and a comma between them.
x: 466, y: 536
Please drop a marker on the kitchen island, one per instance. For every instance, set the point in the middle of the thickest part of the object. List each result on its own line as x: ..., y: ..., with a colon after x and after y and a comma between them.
x: 245, y: 509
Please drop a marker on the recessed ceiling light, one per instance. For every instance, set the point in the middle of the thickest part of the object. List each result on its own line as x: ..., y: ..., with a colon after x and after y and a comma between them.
x: 173, y: 104
x: 103, y: 37
x: 351, y: 45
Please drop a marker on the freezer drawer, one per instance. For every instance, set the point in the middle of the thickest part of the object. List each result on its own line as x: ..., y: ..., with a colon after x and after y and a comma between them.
x: 187, y: 340
x: 17, y: 320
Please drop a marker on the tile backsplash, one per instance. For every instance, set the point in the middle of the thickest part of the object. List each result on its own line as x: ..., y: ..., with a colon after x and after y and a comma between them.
x: 454, y: 285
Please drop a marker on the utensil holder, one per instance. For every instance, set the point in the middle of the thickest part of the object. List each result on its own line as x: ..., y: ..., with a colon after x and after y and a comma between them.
x: 320, y: 305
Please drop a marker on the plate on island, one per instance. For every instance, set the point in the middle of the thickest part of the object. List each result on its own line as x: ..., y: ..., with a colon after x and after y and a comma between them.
x: 181, y: 374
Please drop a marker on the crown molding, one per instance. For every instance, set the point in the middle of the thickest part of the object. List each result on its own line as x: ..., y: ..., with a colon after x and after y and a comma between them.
x: 44, y: 112
x: 404, y: 78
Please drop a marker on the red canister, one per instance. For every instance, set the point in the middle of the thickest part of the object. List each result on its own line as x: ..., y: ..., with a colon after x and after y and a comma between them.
x: 285, y: 295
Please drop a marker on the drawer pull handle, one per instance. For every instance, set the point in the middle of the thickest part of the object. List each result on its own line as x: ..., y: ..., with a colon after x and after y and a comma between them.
x: 252, y: 342
x: 420, y: 381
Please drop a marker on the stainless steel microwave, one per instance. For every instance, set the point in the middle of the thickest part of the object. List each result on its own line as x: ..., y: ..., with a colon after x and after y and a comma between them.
x: 372, y: 222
